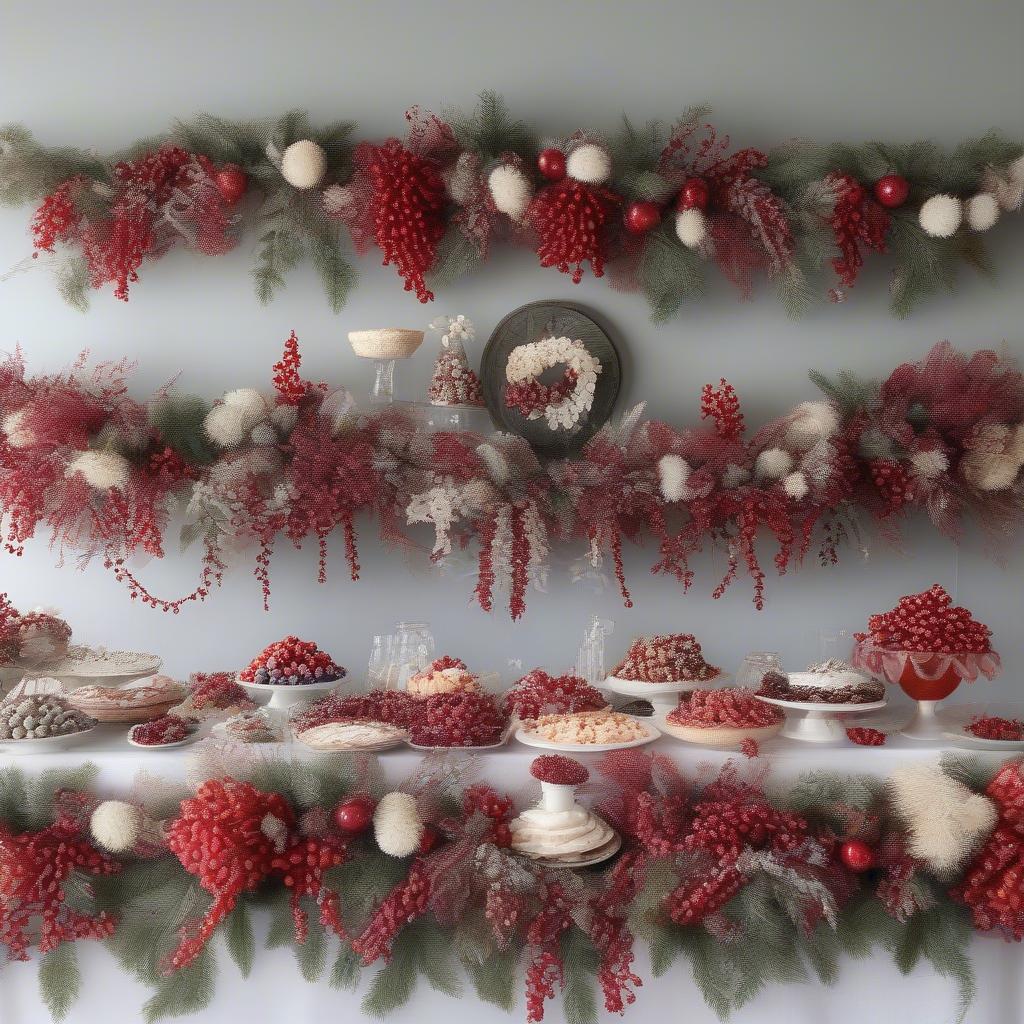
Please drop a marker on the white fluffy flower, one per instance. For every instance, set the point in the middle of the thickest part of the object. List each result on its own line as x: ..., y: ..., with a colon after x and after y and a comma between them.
x: 930, y: 464
x: 947, y: 821
x: 397, y: 825
x: 511, y: 190
x: 981, y: 212
x: 673, y: 471
x: 304, y: 164
x: 795, y: 485
x: 993, y: 457
x: 14, y: 428
x: 102, y: 470
x: 811, y: 422
x: 589, y: 163
x: 691, y: 228
x: 941, y: 215
x: 229, y: 423
x: 117, y: 826
x: 774, y: 463
x: 283, y: 417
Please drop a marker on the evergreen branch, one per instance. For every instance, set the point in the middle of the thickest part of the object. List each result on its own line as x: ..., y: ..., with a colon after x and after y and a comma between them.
x: 239, y: 937
x: 59, y: 980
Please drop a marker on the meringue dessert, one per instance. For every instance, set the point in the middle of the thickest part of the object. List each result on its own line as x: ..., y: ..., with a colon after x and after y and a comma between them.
x: 586, y: 727
x: 443, y: 675
x: 351, y: 735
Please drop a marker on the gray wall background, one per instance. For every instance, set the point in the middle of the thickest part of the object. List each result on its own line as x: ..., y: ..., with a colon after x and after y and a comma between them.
x: 103, y: 74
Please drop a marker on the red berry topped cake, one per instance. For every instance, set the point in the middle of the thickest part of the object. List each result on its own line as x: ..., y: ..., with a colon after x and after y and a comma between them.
x: 722, y: 718
x: 465, y: 718
x: 442, y: 675
x: 292, y: 662
x: 928, y: 621
x: 672, y: 658
x: 538, y: 693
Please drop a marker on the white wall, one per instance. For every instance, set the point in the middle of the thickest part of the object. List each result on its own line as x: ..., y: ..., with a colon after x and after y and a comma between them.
x: 104, y: 74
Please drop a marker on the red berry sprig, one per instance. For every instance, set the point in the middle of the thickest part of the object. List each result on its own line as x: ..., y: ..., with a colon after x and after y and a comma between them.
x: 291, y: 388
x: 991, y: 727
x: 406, y: 902
x: 865, y: 737
x: 722, y: 405
x: 856, y: 220
x: 570, y: 218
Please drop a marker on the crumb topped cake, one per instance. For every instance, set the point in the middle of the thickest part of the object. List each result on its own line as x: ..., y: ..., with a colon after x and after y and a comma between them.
x: 827, y: 682
x: 667, y: 658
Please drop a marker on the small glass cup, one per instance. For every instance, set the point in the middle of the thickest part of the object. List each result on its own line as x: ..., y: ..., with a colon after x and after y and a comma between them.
x: 755, y: 666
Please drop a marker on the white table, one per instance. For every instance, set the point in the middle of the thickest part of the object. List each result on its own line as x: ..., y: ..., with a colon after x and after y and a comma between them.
x: 868, y: 992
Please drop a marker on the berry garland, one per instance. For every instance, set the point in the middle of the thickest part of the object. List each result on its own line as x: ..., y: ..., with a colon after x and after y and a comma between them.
x: 650, y: 205
x: 77, y: 456
x: 406, y: 878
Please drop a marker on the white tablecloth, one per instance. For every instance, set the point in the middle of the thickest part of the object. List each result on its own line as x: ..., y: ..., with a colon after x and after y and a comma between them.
x: 869, y: 991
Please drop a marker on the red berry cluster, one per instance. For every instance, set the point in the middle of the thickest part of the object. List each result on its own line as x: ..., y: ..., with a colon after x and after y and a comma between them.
x: 481, y: 799
x: 749, y: 748
x: 460, y: 719
x: 444, y: 663
x: 407, y: 204
x: 993, y: 886
x: 34, y: 868
x: 668, y: 658
x: 695, y: 900
x: 530, y: 395
x: 865, y: 737
x: 160, y: 731
x: 570, y: 217
x: 539, y: 693
x: 545, y: 969
x: 292, y: 661
x: 395, y: 707
x: 608, y: 929
x: 856, y: 220
x: 733, y: 708
x: 928, y: 621
x: 217, y: 690
x: 302, y: 867
x: 722, y: 405
x: 995, y: 728
x: 658, y: 823
x: 406, y: 902
x: 504, y: 910
x: 893, y: 483
x: 57, y: 217
x: 291, y: 388
x: 727, y: 823
x: 559, y: 770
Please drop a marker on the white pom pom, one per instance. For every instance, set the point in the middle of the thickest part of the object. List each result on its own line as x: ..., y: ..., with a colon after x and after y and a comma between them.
x: 930, y: 464
x: 691, y: 228
x: 947, y: 821
x: 811, y: 422
x: 941, y: 215
x: 981, y: 211
x: 304, y: 164
x: 397, y: 825
x: 229, y: 424
x: 264, y: 434
x: 102, y: 470
x: 249, y: 400
x: 774, y: 463
x: 589, y: 163
x: 275, y: 830
x: 673, y: 471
x: 511, y: 190
x: 14, y: 428
x: 795, y: 485
x: 117, y: 826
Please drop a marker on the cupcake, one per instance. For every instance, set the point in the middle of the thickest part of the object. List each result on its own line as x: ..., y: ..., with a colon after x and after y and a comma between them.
x: 669, y: 658
x: 723, y: 718
x: 443, y: 675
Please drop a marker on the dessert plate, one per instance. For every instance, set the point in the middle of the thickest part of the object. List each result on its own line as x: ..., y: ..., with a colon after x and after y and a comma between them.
x: 718, y: 737
x: 598, y: 856
x: 162, y: 746
x: 45, y: 743
x: 340, y: 747
x: 531, y: 739
x: 966, y: 739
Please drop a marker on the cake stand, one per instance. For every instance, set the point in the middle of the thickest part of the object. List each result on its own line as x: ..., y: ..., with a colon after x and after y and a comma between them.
x: 96, y: 666
x: 384, y: 345
x: 662, y: 696
x: 927, y: 677
x: 283, y: 698
x: 818, y: 723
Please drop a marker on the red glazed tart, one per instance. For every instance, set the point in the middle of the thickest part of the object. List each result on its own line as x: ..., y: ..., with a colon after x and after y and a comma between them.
x: 723, y: 718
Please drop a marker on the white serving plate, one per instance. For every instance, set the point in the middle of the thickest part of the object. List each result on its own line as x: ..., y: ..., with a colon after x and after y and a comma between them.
x: 390, y: 744
x: 48, y: 743
x: 662, y: 696
x: 526, y: 737
x: 733, y: 740
x: 162, y: 746
x: 817, y: 705
x: 965, y: 739
x: 272, y: 695
x: 598, y: 856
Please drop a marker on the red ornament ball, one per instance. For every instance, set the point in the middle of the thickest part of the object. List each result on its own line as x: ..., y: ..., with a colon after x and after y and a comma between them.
x: 857, y: 855
x: 551, y: 163
x: 232, y: 183
x: 354, y: 815
x: 428, y: 840
x: 641, y: 217
x: 892, y: 191
x: 694, y: 195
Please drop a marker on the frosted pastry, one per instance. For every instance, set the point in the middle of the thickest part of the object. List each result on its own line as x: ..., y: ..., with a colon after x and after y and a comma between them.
x: 586, y: 727
x: 443, y: 675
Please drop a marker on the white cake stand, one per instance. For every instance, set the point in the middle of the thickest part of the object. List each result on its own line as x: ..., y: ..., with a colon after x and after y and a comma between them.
x: 819, y: 722
x: 662, y: 696
x: 282, y: 698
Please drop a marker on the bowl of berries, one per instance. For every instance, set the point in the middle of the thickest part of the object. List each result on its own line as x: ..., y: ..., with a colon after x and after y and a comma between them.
x: 290, y: 672
x: 927, y: 646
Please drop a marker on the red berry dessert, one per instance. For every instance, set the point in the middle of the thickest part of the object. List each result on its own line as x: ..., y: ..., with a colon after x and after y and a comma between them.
x: 292, y: 662
x: 462, y: 719
x: 559, y: 770
x: 161, y: 731
x: 672, y: 658
x: 995, y: 728
x: 393, y: 707
x: 538, y: 693
x: 723, y: 718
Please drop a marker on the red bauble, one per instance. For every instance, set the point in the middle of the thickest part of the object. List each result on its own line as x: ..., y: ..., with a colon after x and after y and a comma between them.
x: 354, y: 815
x: 232, y: 182
x: 551, y: 163
x: 892, y: 190
x: 693, y: 195
x: 428, y: 840
x: 857, y: 855
x: 641, y: 217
